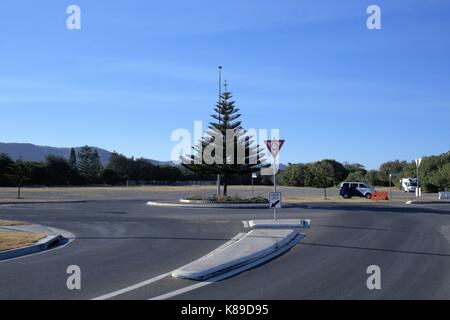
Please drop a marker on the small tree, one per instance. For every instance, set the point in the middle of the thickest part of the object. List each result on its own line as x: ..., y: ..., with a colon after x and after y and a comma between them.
x: 19, y: 173
x: 321, y: 175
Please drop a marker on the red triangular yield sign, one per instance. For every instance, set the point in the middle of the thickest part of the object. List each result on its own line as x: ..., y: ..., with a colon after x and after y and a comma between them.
x: 274, y: 146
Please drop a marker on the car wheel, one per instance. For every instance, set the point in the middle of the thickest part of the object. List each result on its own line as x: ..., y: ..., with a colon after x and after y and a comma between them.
x: 368, y: 196
x: 345, y: 196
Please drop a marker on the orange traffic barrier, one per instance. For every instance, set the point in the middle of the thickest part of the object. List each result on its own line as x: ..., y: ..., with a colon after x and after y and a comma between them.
x: 380, y: 196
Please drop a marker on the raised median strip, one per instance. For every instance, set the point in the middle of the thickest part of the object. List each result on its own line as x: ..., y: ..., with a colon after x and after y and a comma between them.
x: 206, y: 205
x: 40, y: 239
x: 251, y: 248
x: 281, y: 223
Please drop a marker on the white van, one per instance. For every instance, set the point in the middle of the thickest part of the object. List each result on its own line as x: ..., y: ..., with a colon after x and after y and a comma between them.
x: 408, y: 184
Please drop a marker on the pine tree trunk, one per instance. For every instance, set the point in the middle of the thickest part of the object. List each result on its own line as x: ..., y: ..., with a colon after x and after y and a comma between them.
x: 18, y: 190
x: 325, y: 193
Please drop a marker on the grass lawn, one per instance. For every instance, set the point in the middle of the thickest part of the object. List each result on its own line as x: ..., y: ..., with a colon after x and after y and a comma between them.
x: 13, y: 240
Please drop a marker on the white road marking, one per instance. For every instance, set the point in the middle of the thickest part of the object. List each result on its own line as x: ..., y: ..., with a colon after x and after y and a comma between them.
x: 133, y: 287
x: 182, y: 290
x: 162, y: 276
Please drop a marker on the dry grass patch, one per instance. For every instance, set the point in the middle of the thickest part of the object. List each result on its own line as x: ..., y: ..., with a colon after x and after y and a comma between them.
x: 10, y: 223
x: 13, y: 240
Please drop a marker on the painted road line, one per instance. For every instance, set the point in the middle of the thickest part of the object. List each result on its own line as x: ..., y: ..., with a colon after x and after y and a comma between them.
x: 133, y: 287
x: 161, y: 276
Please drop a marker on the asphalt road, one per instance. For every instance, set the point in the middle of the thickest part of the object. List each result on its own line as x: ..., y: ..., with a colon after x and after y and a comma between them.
x: 120, y: 243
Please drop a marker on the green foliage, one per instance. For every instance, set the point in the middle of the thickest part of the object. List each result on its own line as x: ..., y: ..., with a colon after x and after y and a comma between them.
x: 390, y: 167
x: 355, y: 167
x: 320, y: 175
x: 60, y: 171
x: 5, y: 167
x: 371, y: 177
x: 294, y: 175
x: 73, y: 159
x: 440, y: 180
x: 226, y: 121
x: 433, y: 173
x: 356, y: 176
x: 111, y: 177
x: 89, y: 164
x: 356, y: 172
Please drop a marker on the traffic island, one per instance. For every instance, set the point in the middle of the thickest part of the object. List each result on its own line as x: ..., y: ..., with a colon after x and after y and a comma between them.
x: 20, y: 238
x: 281, y: 223
x: 208, y: 204
x: 253, y: 249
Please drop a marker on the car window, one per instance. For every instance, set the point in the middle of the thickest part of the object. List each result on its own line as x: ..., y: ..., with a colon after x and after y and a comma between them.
x: 362, y: 185
x: 345, y: 185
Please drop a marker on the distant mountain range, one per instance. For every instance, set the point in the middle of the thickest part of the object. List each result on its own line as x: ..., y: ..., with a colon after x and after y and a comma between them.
x: 32, y: 152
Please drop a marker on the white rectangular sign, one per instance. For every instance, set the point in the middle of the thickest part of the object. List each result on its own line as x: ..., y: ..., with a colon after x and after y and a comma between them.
x: 275, y: 200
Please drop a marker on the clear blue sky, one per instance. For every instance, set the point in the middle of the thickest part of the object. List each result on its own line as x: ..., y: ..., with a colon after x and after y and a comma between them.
x: 140, y: 69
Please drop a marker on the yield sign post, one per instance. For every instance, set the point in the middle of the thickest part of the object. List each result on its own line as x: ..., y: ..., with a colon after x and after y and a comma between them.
x: 418, y: 162
x: 274, y: 147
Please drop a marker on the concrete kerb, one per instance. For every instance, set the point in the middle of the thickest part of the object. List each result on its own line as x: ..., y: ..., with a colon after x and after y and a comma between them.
x: 41, y: 245
x: 427, y: 202
x: 251, y: 248
x: 281, y: 223
x: 209, y: 205
x: 4, y: 204
x: 55, y: 237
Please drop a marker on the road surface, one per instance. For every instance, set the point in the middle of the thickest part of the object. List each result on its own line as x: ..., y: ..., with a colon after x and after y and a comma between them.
x: 121, y: 243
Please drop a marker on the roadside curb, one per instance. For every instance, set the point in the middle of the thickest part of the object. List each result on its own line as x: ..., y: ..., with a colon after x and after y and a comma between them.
x: 281, y: 223
x: 428, y: 202
x: 254, y: 248
x: 42, y: 245
x: 209, y: 205
x: 42, y: 202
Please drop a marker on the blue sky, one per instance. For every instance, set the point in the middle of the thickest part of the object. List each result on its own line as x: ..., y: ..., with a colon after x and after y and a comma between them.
x: 137, y: 70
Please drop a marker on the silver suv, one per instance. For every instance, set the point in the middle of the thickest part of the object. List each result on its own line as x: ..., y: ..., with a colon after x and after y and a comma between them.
x: 357, y: 189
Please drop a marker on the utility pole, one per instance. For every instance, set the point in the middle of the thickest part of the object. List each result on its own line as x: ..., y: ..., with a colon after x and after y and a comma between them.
x: 220, y: 93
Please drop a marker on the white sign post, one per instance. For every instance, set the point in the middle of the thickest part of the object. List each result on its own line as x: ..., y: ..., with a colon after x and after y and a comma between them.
x: 418, y: 191
x: 274, y: 147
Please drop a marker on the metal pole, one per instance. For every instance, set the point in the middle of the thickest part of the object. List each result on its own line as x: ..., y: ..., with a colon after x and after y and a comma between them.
x: 253, y: 192
x: 220, y: 93
x: 390, y: 187
x: 418, y: 185
x: 274, y: 189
